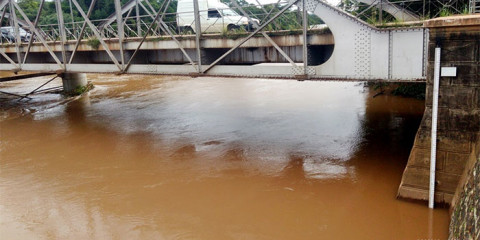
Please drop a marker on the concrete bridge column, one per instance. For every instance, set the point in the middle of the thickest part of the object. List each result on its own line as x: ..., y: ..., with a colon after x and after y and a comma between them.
x: 458, y: 110
x: 73, y: 80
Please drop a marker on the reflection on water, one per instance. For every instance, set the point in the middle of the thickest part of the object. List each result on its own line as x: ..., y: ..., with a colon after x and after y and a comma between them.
x: 149, y: 157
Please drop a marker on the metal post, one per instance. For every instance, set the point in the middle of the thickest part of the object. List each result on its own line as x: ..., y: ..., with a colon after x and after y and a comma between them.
x: 118, y: 12
x: 39, y: 12
x: 380, y: 10
x: 423, y: 8
x: 137, y: 12
x: 16, y: 31
x: 250, y: 35
x: 71, y: 15
x: 61, y: 26
x: 270, y: 40
x: 198, y: 32
x: 3, y: 15
x: 97, y: 34
x: 80, y: 36
x: 143, y: 39
x: 165, y: 28
x: 305, y: 39
x: 37, y: 33
x: 433, y: 149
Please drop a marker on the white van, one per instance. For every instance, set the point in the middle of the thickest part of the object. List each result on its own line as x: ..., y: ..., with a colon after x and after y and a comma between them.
x: 9, y: 34
x: 215, y: 16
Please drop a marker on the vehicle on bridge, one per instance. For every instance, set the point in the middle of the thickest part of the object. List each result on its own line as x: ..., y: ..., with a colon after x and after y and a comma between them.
x: 8, y: 33
x: 215, y: 17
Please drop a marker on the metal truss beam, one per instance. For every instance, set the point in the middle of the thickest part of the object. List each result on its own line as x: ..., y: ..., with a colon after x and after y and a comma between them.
x: 82, y: 31
x: 250, y: 35
x: 165, y: 28
x: 97, y: 34
x: 39, y: 12
x: 270, y: 40
x: 40, y: 37
x: 61, y: 26
x: 120, y: 30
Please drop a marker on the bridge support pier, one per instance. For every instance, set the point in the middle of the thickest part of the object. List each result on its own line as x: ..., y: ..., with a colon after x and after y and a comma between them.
x: 73, y: 80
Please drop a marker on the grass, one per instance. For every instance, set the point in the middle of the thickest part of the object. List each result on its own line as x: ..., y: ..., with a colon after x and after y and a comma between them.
x: 445, y: 12
x: 93, y: 43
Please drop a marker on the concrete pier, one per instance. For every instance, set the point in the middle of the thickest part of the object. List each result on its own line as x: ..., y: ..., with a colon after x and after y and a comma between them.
x: 458, y: 110
x: 73, y: 80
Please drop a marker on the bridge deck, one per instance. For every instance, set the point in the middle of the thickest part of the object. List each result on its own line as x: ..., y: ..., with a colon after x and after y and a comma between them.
x: 283, y: 39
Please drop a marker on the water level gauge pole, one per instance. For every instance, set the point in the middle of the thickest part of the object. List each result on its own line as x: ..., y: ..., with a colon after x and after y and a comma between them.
x: 433, y: 149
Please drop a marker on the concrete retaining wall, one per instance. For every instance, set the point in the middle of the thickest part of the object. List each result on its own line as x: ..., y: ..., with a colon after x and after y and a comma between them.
x: 465, y: 219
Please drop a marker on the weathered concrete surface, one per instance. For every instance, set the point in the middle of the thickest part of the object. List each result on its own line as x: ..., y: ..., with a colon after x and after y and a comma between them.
x: 465, y: 209
x: 73, y: 80
x: 458, y: 114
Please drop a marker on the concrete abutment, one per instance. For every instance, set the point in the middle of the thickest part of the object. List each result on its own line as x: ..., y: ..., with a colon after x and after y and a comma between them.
x: 458, y: 111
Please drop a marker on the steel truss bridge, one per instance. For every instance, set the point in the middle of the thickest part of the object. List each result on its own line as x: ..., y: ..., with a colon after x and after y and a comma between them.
x: 146, y: 44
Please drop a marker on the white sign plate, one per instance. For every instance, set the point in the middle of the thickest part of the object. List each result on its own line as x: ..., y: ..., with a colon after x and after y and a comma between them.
x: 449, y: 72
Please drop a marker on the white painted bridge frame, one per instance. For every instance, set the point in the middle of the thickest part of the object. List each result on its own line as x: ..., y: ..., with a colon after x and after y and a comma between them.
x: 361, y: 51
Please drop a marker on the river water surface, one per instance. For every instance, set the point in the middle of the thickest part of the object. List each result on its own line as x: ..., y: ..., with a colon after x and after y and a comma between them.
x: 155, y: 157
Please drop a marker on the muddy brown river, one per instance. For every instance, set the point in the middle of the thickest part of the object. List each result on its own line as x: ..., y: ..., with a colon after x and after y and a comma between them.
x: 163, y: 157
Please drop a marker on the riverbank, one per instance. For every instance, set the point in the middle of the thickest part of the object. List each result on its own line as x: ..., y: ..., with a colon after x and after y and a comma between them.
x: 408, y: 89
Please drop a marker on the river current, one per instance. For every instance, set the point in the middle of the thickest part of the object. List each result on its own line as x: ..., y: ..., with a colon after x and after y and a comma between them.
x: 171, y: 157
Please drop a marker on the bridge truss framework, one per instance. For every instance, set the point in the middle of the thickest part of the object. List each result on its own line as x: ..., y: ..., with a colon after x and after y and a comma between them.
x: 361, y: 51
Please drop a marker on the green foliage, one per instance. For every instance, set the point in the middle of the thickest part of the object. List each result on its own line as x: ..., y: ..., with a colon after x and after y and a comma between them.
x: 416, y: 90
x: 79, y: 90
x: 30, y: 7
x: 445, y: 12
x: 411, y: 89
x: 234, y: 33
x: 93, y: 43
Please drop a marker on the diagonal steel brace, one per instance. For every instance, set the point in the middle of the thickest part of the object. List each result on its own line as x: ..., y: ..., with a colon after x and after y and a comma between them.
x: 166, y: 29
x: 250, y: 35
x: 30, y: 24
x: 97, y: 34
x: 84, y: 26
x: 39, y: 12
x: 265, y: 35
x: 9, y: 59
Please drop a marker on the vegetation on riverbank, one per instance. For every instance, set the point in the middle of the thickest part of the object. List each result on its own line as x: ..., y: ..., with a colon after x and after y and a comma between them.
x: 408, y: 89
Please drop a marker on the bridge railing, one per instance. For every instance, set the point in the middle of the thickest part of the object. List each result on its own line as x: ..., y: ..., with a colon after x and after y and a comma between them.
x: 137, y: 26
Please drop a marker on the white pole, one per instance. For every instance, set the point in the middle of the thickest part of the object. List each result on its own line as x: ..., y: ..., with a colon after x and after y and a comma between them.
x: 433, y: 152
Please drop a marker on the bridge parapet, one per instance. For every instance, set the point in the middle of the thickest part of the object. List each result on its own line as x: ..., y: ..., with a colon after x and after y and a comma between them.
x: 458, y: 112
